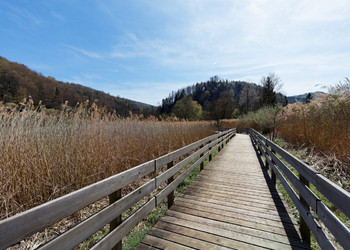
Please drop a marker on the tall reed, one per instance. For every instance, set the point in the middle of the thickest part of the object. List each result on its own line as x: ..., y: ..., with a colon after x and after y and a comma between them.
x: 45, y: 156
x: 324, y: 124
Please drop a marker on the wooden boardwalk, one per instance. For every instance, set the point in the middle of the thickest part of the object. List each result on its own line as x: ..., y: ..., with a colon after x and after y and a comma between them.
x: 232, y: 204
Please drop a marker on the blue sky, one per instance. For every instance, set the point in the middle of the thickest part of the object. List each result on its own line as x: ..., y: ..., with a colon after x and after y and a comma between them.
x: 144, y: 49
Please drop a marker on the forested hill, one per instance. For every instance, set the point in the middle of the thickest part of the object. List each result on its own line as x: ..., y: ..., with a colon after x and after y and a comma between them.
x: 17, y: 82
x: 303, y: 98
x: 220, y: 99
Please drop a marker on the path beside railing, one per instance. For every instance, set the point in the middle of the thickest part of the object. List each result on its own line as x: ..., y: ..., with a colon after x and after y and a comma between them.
x: 231, y: 204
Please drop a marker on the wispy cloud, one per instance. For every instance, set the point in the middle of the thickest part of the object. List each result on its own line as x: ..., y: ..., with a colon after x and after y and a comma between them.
x: 164, y: 45
x: 19, y: 14
x: 239, y: 39
x: 88, y: 53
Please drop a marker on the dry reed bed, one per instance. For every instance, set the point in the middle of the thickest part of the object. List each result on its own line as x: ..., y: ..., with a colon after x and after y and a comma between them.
x: 43, y: 156
x: 229, y: 123
x: 323, y: 124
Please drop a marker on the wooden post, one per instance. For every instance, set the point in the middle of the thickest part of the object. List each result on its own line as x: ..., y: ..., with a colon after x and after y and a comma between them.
x: 210, y: 155
x: 266, y: 155
x: 202, y: 163
x: 113, y: 197
x: 171, y: 196
x: 273, y: 174
x: 304, y: 229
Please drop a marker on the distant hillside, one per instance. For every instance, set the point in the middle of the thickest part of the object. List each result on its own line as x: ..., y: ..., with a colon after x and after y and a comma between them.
x: 220, y: 99
x: 302, y: 98
x: 18, y: 81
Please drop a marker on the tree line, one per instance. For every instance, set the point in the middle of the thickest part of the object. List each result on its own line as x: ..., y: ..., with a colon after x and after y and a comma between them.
x: 214, y: 99
x: 222, y: 99
x: 18, y: 82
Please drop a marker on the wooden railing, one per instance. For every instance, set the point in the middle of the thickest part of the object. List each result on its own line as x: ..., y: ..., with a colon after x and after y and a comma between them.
x: 23, y: 225
x: 298, y: 189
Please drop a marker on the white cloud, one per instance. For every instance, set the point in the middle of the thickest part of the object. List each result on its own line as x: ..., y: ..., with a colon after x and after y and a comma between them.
x: 304, y: 42
x: 91, y: 54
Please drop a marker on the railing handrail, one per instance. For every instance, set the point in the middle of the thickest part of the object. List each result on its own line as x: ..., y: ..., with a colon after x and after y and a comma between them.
x: 335, y: 194
x: 25, y: 224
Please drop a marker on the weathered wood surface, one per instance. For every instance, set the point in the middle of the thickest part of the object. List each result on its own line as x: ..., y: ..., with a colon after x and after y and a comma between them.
x: 232, y: 204
x: 303, y: 197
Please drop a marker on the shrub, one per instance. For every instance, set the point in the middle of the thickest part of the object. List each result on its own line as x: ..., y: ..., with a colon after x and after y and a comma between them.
x: 265, y: 120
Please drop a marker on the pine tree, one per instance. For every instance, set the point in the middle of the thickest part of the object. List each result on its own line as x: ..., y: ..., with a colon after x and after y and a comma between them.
x: 270, y: 85
x: 308, y: 98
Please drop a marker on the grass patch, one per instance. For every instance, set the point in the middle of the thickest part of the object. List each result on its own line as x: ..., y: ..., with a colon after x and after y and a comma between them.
x: 140, y: 231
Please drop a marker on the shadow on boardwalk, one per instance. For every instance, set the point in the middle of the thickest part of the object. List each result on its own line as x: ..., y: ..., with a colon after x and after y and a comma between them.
x: 281, y: 206
x: 232, y: 204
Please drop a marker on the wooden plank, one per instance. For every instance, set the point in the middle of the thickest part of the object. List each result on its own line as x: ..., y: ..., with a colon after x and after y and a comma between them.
x: 230, y: 199
x: 302, y: 189
x: 307, y: 216
x: 125, y: 227
x: 226, y: 232
x: 232, y: 227
x: 231, y: 218
x: 170, y: 172
x: 161, y: 195
x: 335, y: 194
x: 17, y: 227
x: 142, y: 246
x: 218, y: 205
x: 241, y: 197
x: 206, y: 181
x: 114, y: 197
x: 333, y: 224
x: 230, y: 207
x: 163, y: 160
x: 304, y: 229
x: 247, y: 182
x: 175, y: 169
x: 171, y: 195
x: 301, y: 167
x: 241, y: 188
x: 183, y: 240
x: 232, y: 171
x: 236, y: 214
x: 338, y: 196
x: 209, y: 237
x: 86, y: 228
x: 163, y: 244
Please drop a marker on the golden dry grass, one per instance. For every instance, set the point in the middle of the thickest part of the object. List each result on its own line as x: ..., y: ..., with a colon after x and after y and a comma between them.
x: 44, y: 156
x: 323, y: 124
x: 229, y: 123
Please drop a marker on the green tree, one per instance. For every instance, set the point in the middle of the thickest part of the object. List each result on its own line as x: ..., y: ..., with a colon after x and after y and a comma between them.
x: 285, y: 101
x: 187, y: 109
x: 308, y: 98
x: 247, y: 98
x: 221, y: 108
x: 271, y: 84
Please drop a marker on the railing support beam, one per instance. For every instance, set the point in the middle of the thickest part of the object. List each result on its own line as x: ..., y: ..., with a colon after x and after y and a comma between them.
x: 210, y: 155
x: 304, y: 229
x: 171, y: 196
x: 113, y: 197
x: 202, y: 163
